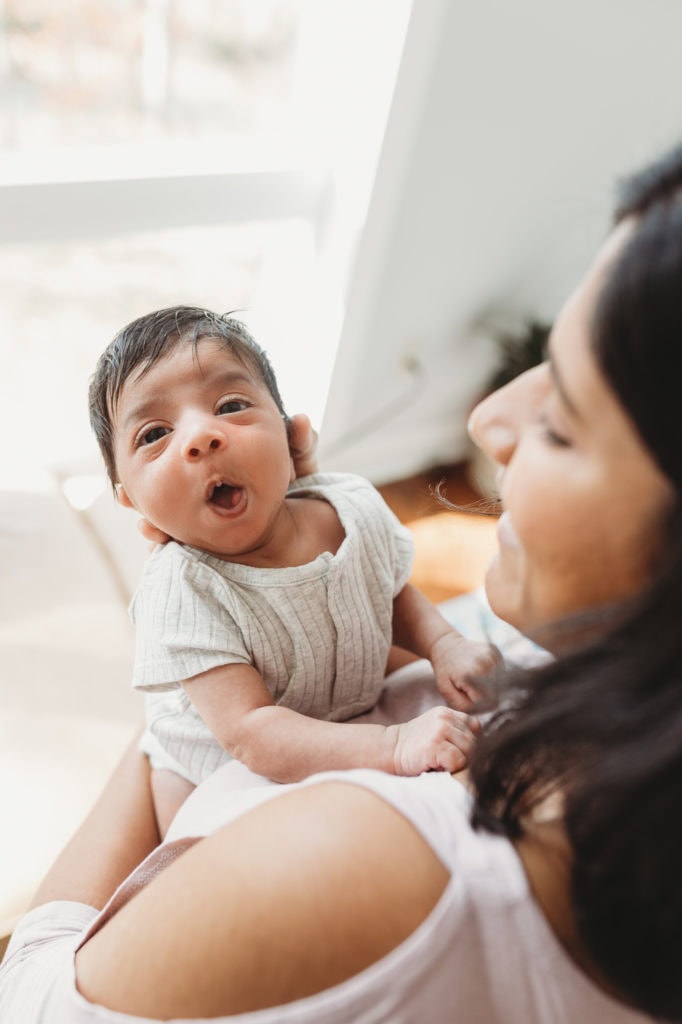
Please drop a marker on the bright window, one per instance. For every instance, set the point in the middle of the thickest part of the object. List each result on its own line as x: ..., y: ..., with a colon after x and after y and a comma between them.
x: 215, y: 152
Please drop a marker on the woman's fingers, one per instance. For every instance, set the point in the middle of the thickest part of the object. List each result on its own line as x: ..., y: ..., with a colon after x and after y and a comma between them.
x: 303, y: 444
x: 152, y: 533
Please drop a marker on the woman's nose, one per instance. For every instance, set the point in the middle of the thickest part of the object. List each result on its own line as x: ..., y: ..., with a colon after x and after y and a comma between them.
x: 493, y: 434
x: 496, y: 423
x: 202, y: 437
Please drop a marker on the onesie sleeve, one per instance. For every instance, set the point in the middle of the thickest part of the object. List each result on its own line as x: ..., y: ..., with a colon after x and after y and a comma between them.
x: 392, y: 540
x: 403, y: 551
x: 182, y: 619
x: 387, y: 543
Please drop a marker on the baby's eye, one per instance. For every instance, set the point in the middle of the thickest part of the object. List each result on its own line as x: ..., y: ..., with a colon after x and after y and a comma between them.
x: 155, y: 434
x: 232, y: 405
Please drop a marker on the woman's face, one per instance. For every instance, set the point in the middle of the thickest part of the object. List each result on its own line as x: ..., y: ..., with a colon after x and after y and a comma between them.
x: 584, y: 502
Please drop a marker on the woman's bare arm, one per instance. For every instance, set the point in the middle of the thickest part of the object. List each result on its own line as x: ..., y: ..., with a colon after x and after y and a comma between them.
x: 298, y: 895
x: 117, y: 834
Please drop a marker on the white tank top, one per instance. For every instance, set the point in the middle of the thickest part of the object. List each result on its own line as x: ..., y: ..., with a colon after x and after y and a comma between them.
x: 484, y: 955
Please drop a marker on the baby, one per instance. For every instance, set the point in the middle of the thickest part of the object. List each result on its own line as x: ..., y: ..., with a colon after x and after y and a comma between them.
x: 267, y: 621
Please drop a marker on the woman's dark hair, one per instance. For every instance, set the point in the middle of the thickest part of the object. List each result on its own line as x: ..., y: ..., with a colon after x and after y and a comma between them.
x: 602, y: 727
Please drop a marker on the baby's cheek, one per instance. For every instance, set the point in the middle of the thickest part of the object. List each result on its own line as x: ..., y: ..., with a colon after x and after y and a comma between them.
x: 164, y: 495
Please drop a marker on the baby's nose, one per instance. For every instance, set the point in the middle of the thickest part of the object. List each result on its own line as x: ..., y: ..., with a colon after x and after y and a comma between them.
x: 202, y: 440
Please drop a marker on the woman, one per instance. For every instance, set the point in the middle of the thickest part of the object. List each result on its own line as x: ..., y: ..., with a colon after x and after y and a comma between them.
x: 363, y: 897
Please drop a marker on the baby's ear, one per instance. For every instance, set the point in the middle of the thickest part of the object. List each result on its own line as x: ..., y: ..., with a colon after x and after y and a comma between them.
x: 122, y: 496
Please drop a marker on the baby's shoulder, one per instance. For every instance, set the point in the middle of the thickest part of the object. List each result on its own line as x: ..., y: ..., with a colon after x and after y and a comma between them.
x: 166, y: 556
x: 175, y: 565
x: 339, y: 489
x: 176, y: 577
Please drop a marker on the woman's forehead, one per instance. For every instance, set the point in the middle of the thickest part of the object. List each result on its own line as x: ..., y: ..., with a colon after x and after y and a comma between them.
x: 582, y: 386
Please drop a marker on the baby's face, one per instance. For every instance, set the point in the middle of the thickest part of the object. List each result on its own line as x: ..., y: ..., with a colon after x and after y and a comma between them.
x: 202, y: 452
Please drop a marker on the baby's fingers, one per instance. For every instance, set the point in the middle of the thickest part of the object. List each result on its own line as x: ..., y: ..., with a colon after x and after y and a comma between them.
x: 455, y: 740
x: 451, y: 759
x: 483, y: 661
x: 461, y: 732
x: 460, y: 694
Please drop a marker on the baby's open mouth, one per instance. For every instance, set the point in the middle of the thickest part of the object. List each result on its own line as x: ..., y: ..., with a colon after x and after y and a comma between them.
x: 225, y: 495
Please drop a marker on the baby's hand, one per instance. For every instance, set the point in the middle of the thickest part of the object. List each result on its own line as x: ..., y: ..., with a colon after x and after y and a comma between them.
x: 457, y: 663
x: 439, y: 740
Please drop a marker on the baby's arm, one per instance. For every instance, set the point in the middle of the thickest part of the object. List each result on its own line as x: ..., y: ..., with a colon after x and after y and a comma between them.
x: 419, y: 627
x: 286, y: 746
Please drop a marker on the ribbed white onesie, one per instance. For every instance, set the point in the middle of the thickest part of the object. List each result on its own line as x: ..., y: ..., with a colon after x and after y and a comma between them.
x: 319, y: 634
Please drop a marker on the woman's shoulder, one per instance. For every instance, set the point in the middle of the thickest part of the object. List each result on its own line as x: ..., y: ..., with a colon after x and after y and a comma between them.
x: 382, y: 904
x: 435, y: 804
x: 438, y: 805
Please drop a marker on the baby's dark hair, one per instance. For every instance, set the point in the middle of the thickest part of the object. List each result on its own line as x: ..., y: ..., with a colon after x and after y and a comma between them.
x: 142, y: 343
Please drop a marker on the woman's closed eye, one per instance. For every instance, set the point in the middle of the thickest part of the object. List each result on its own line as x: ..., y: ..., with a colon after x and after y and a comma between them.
x: 231, y: 405
x: 550, y: 434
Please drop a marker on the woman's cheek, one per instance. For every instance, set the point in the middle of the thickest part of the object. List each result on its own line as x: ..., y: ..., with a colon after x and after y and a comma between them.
x: 527, y: 579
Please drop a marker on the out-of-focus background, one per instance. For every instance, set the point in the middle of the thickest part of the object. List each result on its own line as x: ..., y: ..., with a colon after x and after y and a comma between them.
x: 395, y: 194
x: 158, y: 151
x: 152, y: 152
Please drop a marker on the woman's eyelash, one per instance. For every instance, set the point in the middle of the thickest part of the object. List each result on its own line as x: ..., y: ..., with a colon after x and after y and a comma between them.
x: 555, y: 439
x: 550, y: 435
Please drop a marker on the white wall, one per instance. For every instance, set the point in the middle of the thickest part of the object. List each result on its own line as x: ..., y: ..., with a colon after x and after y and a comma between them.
x: 509, y: 125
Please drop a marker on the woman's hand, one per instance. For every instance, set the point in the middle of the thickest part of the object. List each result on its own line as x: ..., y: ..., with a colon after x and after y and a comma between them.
x: 152, y: 534
x: 303, y: 444
x: 303, y: 448
x: 439, y: 740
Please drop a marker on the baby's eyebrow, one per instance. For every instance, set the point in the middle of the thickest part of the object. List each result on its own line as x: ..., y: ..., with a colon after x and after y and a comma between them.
x: 143, y: 410
x: 148, y: 406
x: 230, y: 378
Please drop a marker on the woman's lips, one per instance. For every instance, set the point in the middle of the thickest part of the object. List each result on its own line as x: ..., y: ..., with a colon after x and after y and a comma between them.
x: 506, y: 534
